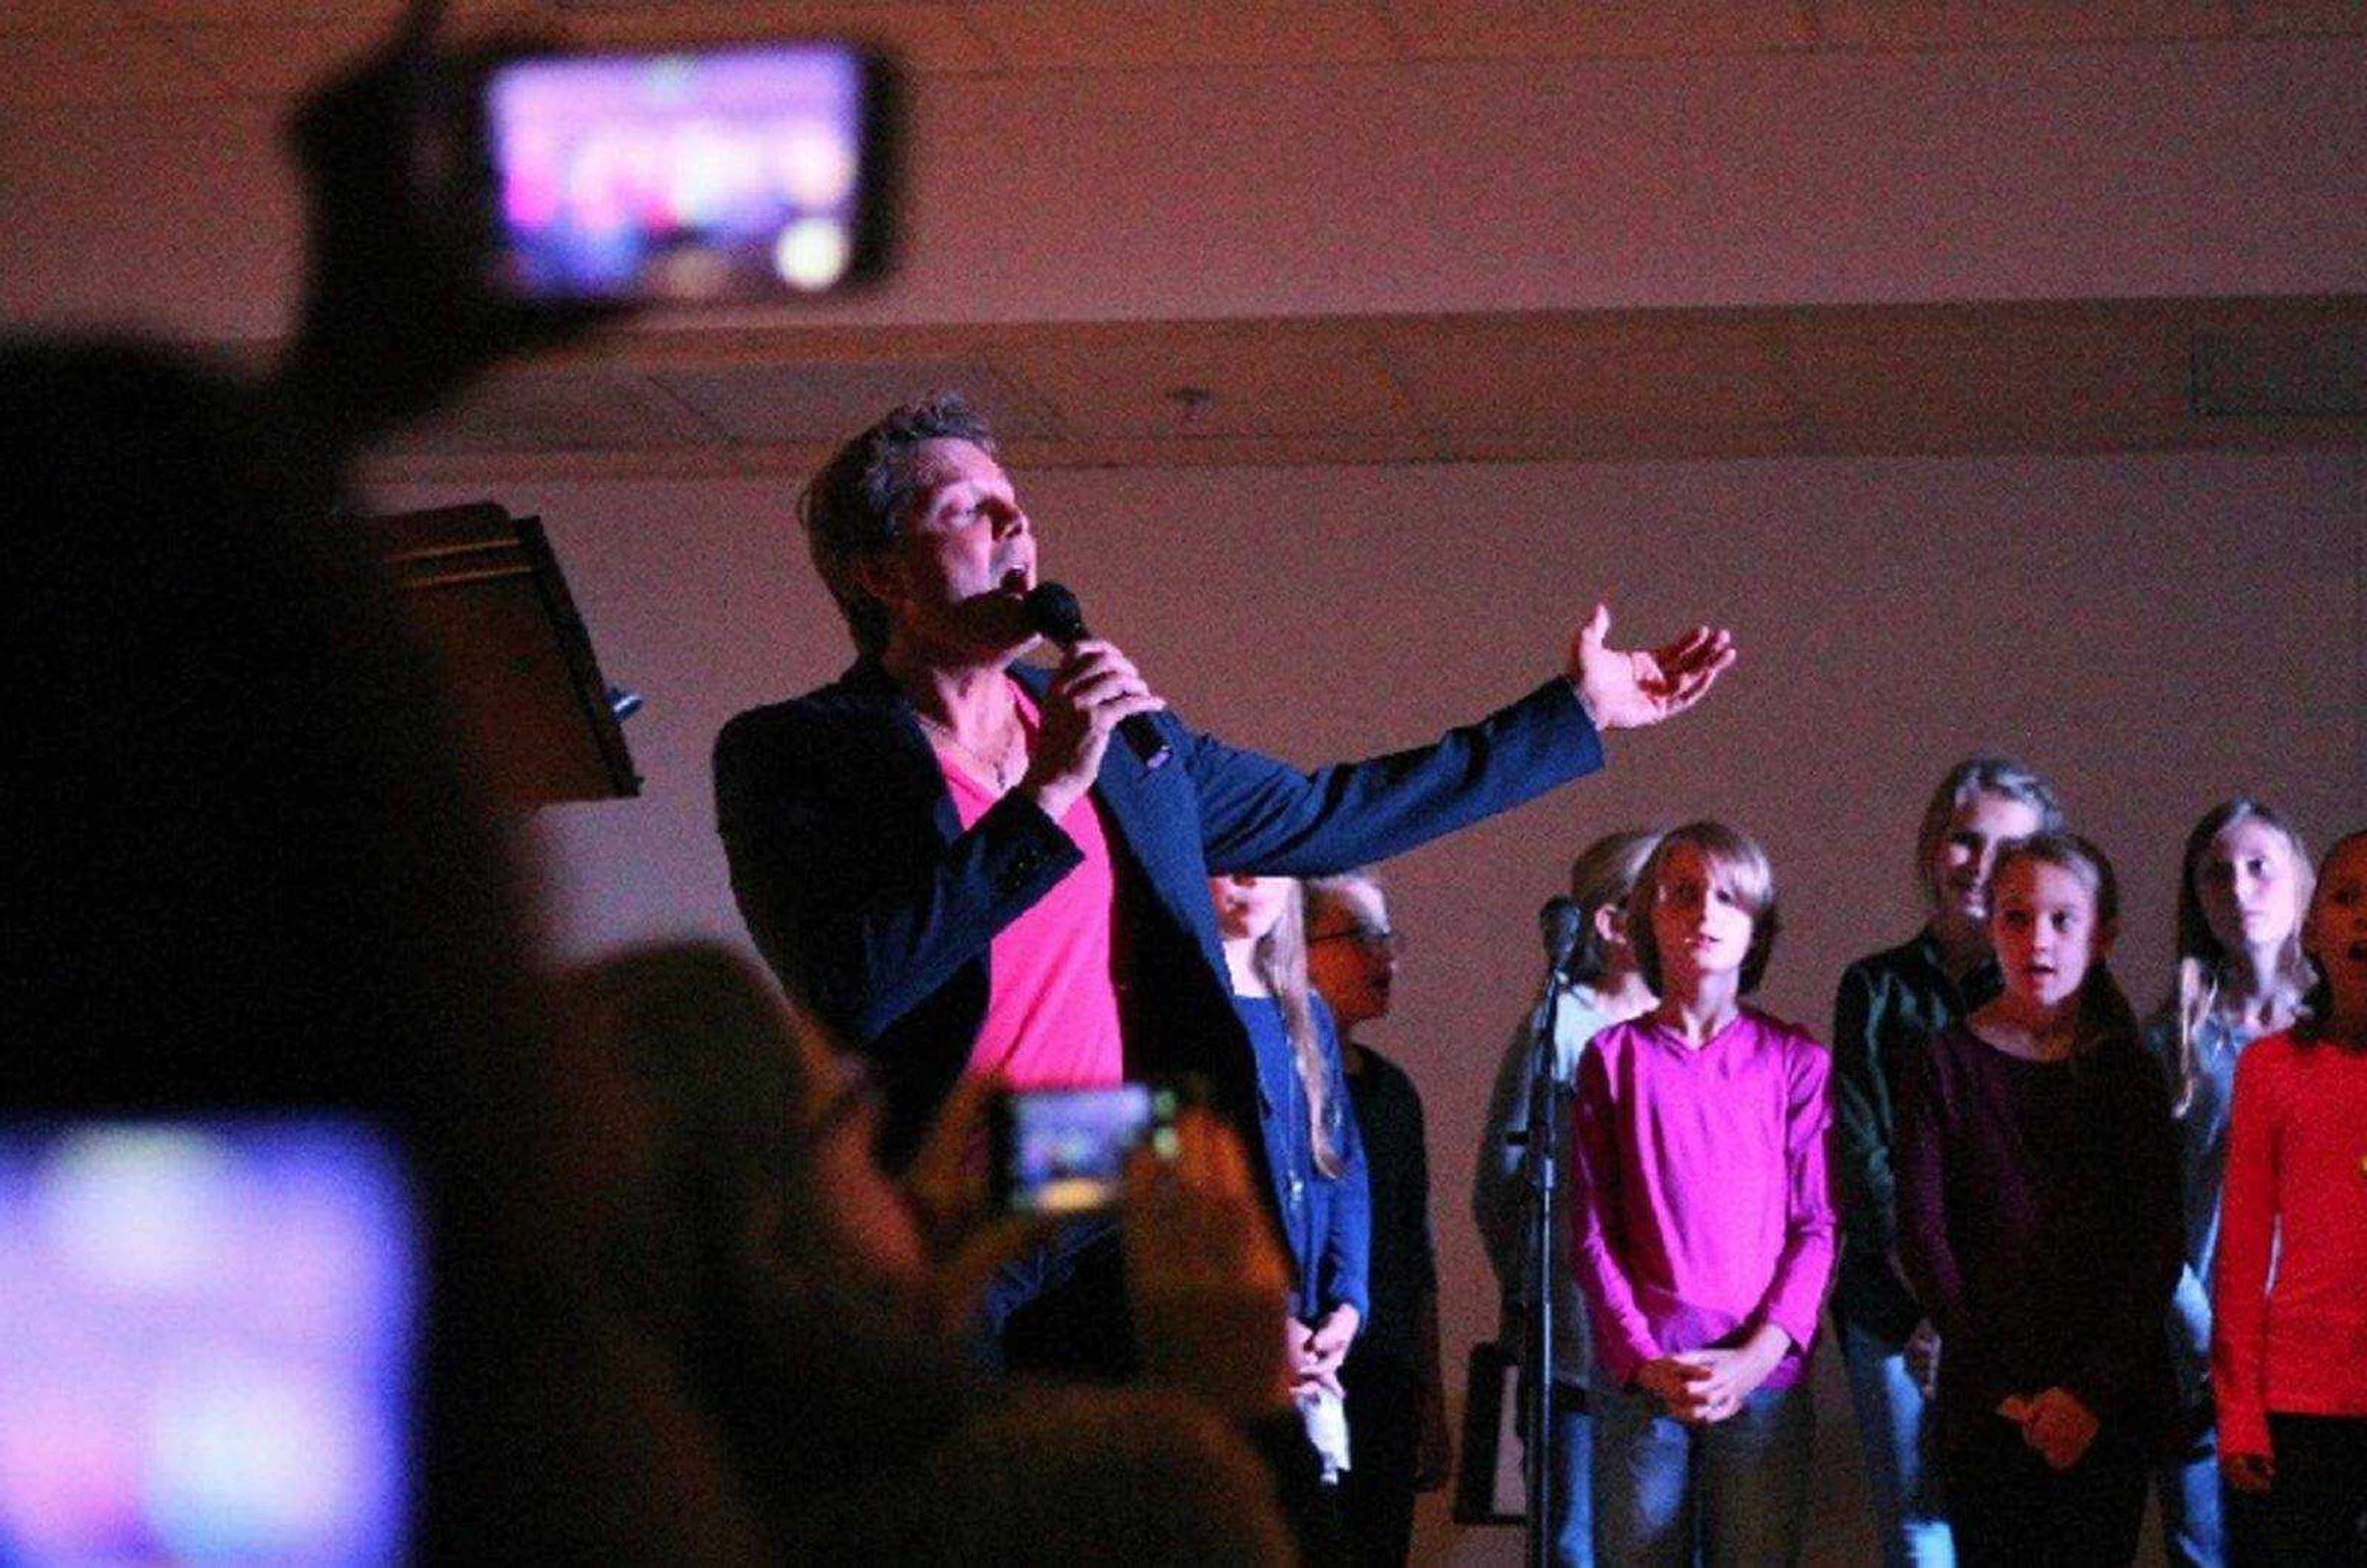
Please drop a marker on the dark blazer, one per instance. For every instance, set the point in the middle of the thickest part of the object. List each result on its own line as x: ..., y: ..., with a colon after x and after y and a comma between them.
x: 1402, y: 1268
x: 863, y: 891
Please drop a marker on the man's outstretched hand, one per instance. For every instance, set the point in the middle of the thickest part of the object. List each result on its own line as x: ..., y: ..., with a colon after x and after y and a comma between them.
x: 1627, y: 690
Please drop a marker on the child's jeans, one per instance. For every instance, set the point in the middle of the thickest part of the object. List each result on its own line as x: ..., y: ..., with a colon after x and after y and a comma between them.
x: 1736, y: 1491
x: 1898, y: 1430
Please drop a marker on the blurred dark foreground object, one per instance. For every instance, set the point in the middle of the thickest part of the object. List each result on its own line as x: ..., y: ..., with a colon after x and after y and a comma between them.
x: 816, y: 1309
x: 253, y: 878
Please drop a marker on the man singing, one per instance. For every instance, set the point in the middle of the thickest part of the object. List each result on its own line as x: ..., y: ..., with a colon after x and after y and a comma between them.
x: 942, y: 855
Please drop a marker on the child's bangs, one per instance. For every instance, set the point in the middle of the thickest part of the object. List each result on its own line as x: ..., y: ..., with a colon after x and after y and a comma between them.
x: 1741, y: 874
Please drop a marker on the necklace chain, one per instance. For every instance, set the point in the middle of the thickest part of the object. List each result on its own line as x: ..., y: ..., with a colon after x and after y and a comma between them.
x: 999, y: 767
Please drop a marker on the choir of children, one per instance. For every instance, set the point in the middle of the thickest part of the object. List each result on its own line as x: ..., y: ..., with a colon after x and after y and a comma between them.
x: 2070, y: 1253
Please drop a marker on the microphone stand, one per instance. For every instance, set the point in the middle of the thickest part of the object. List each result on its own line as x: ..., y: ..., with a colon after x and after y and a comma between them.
x: 1541, y: 1168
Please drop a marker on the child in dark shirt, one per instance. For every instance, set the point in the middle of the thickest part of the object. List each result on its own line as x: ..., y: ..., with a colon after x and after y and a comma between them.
x: 2039, y: 1226
x: 1888, y: 1006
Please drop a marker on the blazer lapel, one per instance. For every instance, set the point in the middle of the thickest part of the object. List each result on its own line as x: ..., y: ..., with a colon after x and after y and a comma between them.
x: 915, y: 759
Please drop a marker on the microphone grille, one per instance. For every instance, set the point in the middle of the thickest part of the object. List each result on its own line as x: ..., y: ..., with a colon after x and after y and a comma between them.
x: 1053, y: 611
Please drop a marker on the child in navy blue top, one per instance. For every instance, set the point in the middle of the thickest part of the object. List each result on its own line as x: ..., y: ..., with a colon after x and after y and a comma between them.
x: 1314, y: 1152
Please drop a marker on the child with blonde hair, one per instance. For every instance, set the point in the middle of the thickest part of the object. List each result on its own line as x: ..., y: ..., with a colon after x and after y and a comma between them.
x: 1888, y: 1006
x: 1315, y: 1151
x: 1703, y: 1233
x: 1600, y: 986
x: 2243, y: 887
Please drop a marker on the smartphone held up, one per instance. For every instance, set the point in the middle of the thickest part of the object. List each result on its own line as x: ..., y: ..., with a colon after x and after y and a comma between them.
x: 209, y: 1336
x: 1064, y: 1151
x: 750, y: 173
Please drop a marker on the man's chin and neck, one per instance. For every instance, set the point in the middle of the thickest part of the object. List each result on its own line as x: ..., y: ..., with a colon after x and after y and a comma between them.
x: 955, y: 653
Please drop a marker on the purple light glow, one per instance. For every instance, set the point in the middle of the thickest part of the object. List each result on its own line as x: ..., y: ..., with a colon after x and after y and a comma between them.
x: 611, y: 171
x: 206, y: 1342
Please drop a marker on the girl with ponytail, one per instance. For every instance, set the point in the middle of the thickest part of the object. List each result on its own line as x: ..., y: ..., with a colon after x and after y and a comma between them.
x: 1314, y: 1153
x: 2039, y: 1226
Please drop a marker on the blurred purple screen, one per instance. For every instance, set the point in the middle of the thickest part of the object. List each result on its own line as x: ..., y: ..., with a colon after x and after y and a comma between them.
x: 1069, y: 1145
x: 680, y: 177
x: 207, y: 1334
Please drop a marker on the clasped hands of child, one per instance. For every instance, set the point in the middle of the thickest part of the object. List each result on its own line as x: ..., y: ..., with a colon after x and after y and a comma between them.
x: 1702, y: 1387
x: 1314, y: 1352
x: 2053, y: 1422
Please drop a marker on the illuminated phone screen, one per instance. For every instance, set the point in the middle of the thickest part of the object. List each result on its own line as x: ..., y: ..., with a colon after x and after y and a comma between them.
x: 732, y: 174
x: 1065, y: 1150
x: 207, y: 1342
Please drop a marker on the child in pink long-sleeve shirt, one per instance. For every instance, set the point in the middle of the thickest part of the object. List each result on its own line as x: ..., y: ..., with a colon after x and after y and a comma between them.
x: 1703, y: 1230
x: 2289, y: 1357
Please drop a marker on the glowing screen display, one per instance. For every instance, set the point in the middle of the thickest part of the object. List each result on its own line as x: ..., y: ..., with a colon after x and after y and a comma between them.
x: 207, y: 1342
x: 735, y: 174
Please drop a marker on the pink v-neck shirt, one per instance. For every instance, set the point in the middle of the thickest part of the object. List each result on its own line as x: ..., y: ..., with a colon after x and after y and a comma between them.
x: 1700, y: 1208
x: 1051, y: 1004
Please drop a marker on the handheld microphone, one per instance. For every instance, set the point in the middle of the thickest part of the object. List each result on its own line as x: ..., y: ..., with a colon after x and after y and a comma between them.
x: 1053, y: 611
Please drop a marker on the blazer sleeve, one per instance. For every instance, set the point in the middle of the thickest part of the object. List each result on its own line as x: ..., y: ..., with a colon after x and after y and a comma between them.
x: 1262, y: 816
x: 1426, y: 1261
x: 1864, y: 1188
x: 861, y: 937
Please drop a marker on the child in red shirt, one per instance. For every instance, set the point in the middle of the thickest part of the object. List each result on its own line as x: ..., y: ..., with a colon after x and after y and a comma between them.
x: 2289, y: 1357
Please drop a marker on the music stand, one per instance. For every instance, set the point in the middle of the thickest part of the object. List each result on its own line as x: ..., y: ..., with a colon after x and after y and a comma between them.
x: 486, y: 594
